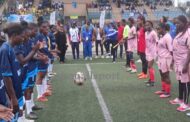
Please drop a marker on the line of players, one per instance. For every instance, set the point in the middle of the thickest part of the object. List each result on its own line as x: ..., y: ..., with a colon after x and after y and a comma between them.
x: 168, y: 50
x: 26, y: 58
x: 167, y: 44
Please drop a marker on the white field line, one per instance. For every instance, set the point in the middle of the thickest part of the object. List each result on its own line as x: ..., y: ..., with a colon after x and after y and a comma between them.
x: 95, y: 63
x: 99, y: 96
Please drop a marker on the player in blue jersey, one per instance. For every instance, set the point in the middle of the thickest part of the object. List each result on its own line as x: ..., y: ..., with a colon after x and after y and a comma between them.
x: 3, y: 98
x: 5, y: 112
x: 33, y: 65
x: 10, y: 69
x: 41, y: 82
x: 52, y: 48
x: 24, y: 56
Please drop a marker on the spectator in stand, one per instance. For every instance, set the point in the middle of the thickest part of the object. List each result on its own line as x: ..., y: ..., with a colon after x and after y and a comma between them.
x: 118, y: 3
x: 144, y: 12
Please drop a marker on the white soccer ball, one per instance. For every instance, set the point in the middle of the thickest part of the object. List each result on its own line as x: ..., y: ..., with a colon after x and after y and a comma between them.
x: 79, y: 78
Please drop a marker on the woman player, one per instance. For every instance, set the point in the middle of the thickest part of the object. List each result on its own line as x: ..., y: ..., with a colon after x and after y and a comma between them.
x: 181, y: 54
x: 151, y: 40
x: 32, y: 65
x: 5, y: 112
x: 41, y: 82
x: 10, y: 68
x: 24, y: 56
x: 132, y: 45
x: 141, y: 45
x: 164, y: 53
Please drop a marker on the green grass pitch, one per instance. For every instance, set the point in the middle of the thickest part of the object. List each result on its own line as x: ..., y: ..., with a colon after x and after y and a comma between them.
x: 127, y: 98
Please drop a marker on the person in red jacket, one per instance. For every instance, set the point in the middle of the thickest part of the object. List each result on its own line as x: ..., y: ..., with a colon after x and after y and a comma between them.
x: 141, y: 46
x: 120, y: 37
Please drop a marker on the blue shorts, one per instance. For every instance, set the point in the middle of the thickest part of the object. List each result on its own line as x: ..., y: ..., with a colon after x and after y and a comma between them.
x: 24, y: 73
x: 42, y: 67
x: 21, y: 102
x: 30, y: 79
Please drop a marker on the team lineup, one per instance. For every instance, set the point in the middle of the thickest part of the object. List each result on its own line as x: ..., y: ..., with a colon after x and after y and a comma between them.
x: 29, y: 51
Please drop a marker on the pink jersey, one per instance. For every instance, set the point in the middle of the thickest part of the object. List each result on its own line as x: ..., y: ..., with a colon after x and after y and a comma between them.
x: 151, y: 40
x: 181, y: 46
x: 132, y: 43
x: 164, y: 49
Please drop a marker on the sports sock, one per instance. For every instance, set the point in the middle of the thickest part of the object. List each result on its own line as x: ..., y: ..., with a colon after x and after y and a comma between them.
x: 51, y: 68
x: 39, y: 90
x: 163, y: 86
x: 32, y: 100
x: 44, y: 83
x: 167, y: 88
x: 132, y: 65
x: 28, y: 107
x: 151, y: 73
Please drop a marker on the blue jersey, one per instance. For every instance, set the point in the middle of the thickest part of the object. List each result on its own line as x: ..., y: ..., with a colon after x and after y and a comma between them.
x: 83, y: 28
x: 22, y: 50
x: 42, y: 67
x: 106, y: 29
x: 10, y: 67
x: 87, y: 34
x: 32, y: 64
x: 3, y: 97
x: 42, y: 38
x: 111, y: 34
x: 172, y: 29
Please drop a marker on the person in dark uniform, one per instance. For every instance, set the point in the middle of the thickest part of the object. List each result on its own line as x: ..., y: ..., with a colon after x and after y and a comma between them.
x: 61, y: 41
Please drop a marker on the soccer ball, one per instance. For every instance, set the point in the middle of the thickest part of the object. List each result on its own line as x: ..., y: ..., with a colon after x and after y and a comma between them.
x: 79, y: 78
